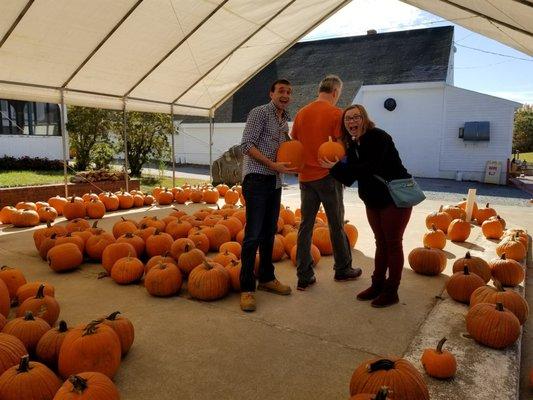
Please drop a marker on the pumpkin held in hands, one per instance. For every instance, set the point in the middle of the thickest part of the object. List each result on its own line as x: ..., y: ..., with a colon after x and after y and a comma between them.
x: 292, y: 152
x: 331, y: 151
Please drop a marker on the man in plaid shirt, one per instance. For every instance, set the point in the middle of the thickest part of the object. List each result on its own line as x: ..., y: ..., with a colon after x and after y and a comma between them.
x: 266, y: 128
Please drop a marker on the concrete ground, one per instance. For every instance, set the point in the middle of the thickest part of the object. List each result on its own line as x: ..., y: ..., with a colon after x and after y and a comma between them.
x: 301, y: 346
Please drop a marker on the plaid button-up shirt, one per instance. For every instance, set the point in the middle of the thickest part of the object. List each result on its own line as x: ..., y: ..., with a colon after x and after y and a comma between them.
x: 265, y: 132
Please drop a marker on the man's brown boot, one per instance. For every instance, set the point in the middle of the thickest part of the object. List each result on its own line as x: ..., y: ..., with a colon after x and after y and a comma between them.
x: 275, y: 286
x: 247, y: 301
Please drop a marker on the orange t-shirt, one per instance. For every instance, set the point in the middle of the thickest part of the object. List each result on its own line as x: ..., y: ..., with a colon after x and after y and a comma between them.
x: 313, y: 125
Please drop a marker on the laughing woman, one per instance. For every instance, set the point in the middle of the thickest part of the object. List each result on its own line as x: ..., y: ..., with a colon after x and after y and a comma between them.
x: 371, y: 154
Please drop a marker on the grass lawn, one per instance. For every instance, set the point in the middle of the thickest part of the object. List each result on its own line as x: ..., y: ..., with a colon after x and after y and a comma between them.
x: 526, y: 156
x: 29, y: 178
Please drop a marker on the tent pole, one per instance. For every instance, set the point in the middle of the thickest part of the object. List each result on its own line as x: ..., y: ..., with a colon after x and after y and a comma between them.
x: 173, y: 149
x: 211, y: 132
x: 125, y: 131
x: 63, y: 117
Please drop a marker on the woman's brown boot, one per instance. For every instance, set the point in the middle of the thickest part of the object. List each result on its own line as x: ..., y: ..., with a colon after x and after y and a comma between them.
x: 372, y: 292
x: 387, y: 297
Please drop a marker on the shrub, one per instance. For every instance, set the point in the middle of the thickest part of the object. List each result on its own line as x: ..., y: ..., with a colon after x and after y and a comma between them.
x: 101, y: 155
x: 8, y: 163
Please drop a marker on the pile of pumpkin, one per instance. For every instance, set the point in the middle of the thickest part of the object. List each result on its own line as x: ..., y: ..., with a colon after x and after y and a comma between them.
x: 87, y: 356
x: 90, y: 205
x: 167, y: 250
x: 493, y: 309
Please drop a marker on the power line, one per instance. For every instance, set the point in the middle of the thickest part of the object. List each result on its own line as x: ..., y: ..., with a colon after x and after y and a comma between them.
x: 493, y: 53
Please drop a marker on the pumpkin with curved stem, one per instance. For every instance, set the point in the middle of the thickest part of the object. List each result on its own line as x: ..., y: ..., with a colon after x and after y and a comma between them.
x: 25, y: 218
x: 510, y: 299
x: 28, y: 381
x: 315, y: 254
x: 440, y: 219
x: 123, y: 328
x: 507, y: 271
x: 163, y: 280
x: 50, y: 343
x: 459, y: 230
x: 88, y: 385
x: 47, y: 214
x: 461, y: 285
x: 322, y: 240
x: 439, y: 363
x: 208, y: 281
x: 455, y: 212
x: 92, y: 347
x: 64, y: 257
x: 476, y: 265
x: 512, y: 247
x: 29, y: 329
x: 435, y: 238
x: 331, y: 150
x: 30, y: 290
x: 426, y: 261
x: 398, y: 374
x: 43, y: 306
x: 232, y: 247
x: 123, y: 226
x: 492, y: 325
x: 13, y: 278
x: 127, y: 270
x: 482, y: 214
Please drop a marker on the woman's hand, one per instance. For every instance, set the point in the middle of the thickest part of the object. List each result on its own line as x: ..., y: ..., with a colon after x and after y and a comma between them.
x: 325, y: 163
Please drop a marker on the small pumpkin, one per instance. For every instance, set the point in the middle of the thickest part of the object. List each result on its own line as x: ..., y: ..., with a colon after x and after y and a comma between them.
x: 482, y: 214
x: 476, y: 265
x: 440, y: 219
x: 43, y: 306
x: 163, y: 280
x: 13, y: 278
x: 74, y: 209
x: 455, y: 212
x: 164, y: 259
x: 231, y: 196
x: 6, y: 214
x: 96, y: 244
x: 510, y: 299
x: 47, y: 214
x: 5, y: 300
x: 234, y: 271
x: 461, y: 285
x: 29, y: 329
x: 124, y: 226
x: 28, y: 381
x: 58, y: 203
x: 426, y: 261
x: 439, y: 363
x: 158, y: 244
x: 492, y: 228
x: 178, y: 229
x: 459, y: 230
x: 512, y: 247
x: 492, y: 325
x: 331, y: 151
x: 435, y: 238
x: 232, y: 247
x: 11, y: 349
x: 49, y: 344
x: 77, y: 224
x: 507, y: 271
x: 95, y: 209
x: 127, y: 270
x: 88, y: 385
x: 192, y: 257
x: 123, y: 328
x: 25, y: 218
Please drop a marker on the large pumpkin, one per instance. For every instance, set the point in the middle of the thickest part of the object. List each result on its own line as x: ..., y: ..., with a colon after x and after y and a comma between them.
x: 509, y: 272
x: 74, y: 209
x: 42, y: 305
x: 315, y: 254
x: 92, y: 347
x: 11, y: 349
x: 482, y: 214
x: 96, y: 244
x: 64, y: 257
x: 116, y: 251
x: 331, y: 151
x: 399, y: 375
x: 28, y: 329
x: 426, y: 261
x: 13, y: 278
x: 492, y: 325
x: 322, y: 240
x: 439, y: 363
x: 25, y: 218
x: 510, y: 299
x: 382, y: 394
x: 292, y: 153
x: 461, y: 285
x: 476, y: 265
x: 208, y: 281
x: 127, y: 270
x: 492, y: 228
x: 512, y: 247
x: 455, y: 212
x: 28, y: 381
x: 163, y: 280
x: 123, y: 328
x: 30, y: 290
x: 88, y: 386
x: 49, y: 344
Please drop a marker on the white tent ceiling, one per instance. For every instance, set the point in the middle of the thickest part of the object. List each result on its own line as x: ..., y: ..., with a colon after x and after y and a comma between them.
x: 189, y: 55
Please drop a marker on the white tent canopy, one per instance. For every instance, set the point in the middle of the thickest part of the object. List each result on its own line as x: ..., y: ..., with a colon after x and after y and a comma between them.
x: 182, y: 56
x: 507, y: 21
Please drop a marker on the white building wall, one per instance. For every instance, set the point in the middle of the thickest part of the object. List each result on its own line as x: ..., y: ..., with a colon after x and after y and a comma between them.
x: 31, y: 146
x: 468, y: 157
x: 415, y: 125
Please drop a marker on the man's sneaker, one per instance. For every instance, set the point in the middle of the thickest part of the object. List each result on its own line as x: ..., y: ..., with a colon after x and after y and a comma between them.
x: 247, y: 301
x: 274, y: 286
x: 303, y: 285
x: 349, y: 274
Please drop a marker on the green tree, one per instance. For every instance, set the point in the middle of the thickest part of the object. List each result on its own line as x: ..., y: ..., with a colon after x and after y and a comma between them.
x: 87, y: 127
x: 523, y: 129
x: 147, y: 138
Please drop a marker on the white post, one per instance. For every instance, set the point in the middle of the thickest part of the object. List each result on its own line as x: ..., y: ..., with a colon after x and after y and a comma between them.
x: 126, y: 166
x: 173, y: 149
x: 470, y: 200
x: 63, y: 122
x: 211, y: 132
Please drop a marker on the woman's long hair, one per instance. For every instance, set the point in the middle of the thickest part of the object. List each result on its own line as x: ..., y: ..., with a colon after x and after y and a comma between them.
x: 367, y: 123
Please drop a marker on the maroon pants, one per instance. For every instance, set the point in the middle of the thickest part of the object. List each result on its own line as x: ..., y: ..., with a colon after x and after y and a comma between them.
x: 388, y: 225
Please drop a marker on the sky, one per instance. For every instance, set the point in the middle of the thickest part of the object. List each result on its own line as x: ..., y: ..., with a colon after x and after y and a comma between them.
x: 495, y: 75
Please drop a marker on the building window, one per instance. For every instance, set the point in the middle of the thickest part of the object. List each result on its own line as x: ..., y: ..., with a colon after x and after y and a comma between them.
x: 29, y: 118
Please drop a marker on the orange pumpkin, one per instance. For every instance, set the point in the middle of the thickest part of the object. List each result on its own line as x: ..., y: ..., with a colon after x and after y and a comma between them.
x: 163, y: 280
x: 492, y: 228
x: 114, y: 252
x: 123, y: 328
x: 97, y: 243
x: 165, y: 197
x: 455, y: 212
x: 11, y: 349
x: 231, y: 197
x: 190, y: 258
x: 292, y: 153
x: 352, y: 233
x: 26, y: 205
x: 155, y: 260
x: 315, y: 254
x: 461, y: 285
x: 58, y: 203
x: 74, y: 209
x: 439, y: 363
x: 49, y: 344
x: 510, y: 299
x: 426, y: 261
x: 435, y: 238
x: 476, y: 265
x: 512, y: 248
x: 46, y: 307
x: 459, y: 230
x: 507, y: 271
x: 127, y: 270
x: 493, y: 325
x: 88, y: 385
x: 13, y: 279
x: 25, y: 218
x: 47, y: 214
x: 331, y: 151
x: 232, y: 247
x: 6, y: 214
x: 440, y: 219
x: 77, y: 224
x: 30, y: 290
x: 482, y: 214
x: 95, y: 209
x: 322, y: 240
x: 208, y: 281
x: 64, y: 257
x: 29, y: 329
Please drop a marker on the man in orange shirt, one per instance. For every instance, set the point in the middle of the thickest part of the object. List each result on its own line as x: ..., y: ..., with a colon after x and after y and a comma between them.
x: 313, y: 125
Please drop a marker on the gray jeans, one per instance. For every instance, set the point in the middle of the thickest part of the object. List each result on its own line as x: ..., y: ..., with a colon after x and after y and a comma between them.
x: 327, y: 191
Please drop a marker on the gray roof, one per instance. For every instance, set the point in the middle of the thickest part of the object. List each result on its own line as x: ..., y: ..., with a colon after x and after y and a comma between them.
x: 420, y: 55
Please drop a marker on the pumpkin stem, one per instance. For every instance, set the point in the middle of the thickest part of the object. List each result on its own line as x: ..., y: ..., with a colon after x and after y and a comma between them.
x: 90, y: 328
x: 499, y: 306
x: 440, y: 344
x: 487, y: 205
x: 467, y: 255
x: 28, y: 316
x: 62, y: 326
x: 465, y: 270
x: 433, y: 227
x: 113, y: 316
x: 382, y: 394
x: 498, y: 285
x: 503, y: 257
x: 207, y: 265
x: 95, y: 224
x: 79, y: 384
x: 24, y: 365
x: 4, y: 267
x: 440, y: 208
x: 379, y: 365
x: 186, y: 248
x: 48, y: 224
x: 40, y: 292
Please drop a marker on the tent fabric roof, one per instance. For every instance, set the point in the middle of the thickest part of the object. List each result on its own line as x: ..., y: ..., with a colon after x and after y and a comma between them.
x: 188, y: 56
x: 507, y: 21
x: 156, y: 53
